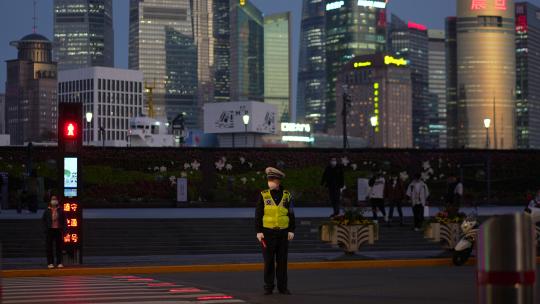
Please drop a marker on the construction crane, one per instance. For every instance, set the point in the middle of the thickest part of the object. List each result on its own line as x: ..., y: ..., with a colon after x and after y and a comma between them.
x: 149, y: 89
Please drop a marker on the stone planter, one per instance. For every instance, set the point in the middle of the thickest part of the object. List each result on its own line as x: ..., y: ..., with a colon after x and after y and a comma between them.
x: 349, y: 237
x: 448, y: 235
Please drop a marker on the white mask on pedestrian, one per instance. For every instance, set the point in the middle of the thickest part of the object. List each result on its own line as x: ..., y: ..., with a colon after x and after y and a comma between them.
x: 272, y: 185
x: 333, y: 163
x: 54, y: 203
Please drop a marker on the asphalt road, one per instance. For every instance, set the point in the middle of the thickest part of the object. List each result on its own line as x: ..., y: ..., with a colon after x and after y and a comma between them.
x: 431, y: 285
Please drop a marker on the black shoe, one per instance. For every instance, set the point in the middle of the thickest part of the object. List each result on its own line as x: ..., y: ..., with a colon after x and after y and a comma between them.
x: 285, y: 292
x: 267, y: 292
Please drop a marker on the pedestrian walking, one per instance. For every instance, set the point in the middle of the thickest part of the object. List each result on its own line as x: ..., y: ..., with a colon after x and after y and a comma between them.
x: 418, y: 193
x: 376, y: 195
x: 394, y: 194
x: 54, y: 224
x: 333, y: 179
x: 275, y: 224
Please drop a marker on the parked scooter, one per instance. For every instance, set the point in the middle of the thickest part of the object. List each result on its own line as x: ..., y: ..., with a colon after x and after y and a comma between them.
x: 465, y: 246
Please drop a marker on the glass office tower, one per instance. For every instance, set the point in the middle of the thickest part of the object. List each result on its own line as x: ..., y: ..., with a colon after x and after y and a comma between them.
x: 83, y: 33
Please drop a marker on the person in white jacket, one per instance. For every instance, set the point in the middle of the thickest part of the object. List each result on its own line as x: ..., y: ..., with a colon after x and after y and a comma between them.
x: 376, y: 195
x: 418, y: 193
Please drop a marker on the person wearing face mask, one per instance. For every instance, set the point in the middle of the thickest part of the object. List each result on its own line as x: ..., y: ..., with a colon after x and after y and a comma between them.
x: 275, y: 225
x: 333, y: 179
x: 54, y: 224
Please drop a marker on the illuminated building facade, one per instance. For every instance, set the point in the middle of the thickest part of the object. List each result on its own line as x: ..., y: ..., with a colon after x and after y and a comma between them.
x: 451, y: 83
x: 31, y: 104
x: 379, y: 87
x: 410, y: 40
x: 486, y: 75
x: 352, y: 28
x: 437, y: 86
x: 83, y: 33
x: 246, y: 52
x: 278, y: 63
x: 161, y: 45
x: 311, y: 101
x: 528, y: 75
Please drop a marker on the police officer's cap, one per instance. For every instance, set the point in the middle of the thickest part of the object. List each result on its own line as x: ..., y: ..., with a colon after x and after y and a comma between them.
x: 274, y: 173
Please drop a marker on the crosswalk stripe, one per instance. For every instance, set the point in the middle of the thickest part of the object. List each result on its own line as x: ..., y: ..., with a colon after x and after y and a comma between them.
x: 106, y: 290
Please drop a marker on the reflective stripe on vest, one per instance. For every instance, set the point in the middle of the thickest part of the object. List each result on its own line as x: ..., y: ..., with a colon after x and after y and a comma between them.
x: 275, y: 216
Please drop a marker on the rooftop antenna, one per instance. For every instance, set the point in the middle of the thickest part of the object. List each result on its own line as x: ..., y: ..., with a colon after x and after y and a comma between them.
x: 34, y: 28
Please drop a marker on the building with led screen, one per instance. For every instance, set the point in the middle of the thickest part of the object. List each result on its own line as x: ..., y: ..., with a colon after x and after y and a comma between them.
x: 486, y: 75
x: 353, y: 28
x: 380, y: 109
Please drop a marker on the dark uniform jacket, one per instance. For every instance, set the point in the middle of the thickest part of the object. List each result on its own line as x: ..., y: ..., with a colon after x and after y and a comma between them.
x: 259, y: 210
x: 333, y: 177
x: 47, y: 219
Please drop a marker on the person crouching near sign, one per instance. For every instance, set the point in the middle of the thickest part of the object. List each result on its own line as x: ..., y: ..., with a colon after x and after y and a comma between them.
x: 54, y: 223
x: 275, y: 224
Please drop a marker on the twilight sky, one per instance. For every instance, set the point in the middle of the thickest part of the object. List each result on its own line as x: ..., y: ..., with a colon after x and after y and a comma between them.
x: 16, y: 21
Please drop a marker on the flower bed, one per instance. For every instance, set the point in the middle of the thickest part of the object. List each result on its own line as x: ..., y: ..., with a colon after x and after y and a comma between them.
x: 349, y: 231
x: 445, y: 227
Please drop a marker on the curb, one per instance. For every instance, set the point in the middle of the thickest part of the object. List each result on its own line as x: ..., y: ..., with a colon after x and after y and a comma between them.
x: 364, y: 264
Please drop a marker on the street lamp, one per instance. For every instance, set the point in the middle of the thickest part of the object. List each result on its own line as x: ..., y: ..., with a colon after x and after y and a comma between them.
x: 374, y: 121
x: 89, y: 116
x: 487, y: 124
x: 246, y: 122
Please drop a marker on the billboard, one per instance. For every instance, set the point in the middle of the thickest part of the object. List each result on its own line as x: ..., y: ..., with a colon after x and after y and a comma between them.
x: 228, y: 117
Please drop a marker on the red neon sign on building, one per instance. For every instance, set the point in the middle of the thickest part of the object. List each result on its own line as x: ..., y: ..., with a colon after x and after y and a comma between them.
x: 417, y: 26
x: 477, y: 5
x: 500, y: 5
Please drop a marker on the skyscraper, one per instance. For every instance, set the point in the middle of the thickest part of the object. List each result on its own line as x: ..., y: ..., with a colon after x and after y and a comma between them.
x: 203, y: 33
x: 486, y: 73
x: 353, y: 28
x: 247, y: 52
x: 311, y: 101
x: 31, y: 104
x: 222, y: 55
x: 380, y: 88
x: 410, y: 40
x: 161, y: 45
x: 451, y: 83
x: 437, y: 85
x: 83, y: 33
x: 528, y: 75
x: 278, y: 63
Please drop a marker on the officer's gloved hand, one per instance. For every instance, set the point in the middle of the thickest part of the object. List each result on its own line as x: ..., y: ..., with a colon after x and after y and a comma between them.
x: 290, y: 236
x: 260, y: 236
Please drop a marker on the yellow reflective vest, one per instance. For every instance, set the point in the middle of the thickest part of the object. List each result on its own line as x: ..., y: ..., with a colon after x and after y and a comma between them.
x: 275, y: 216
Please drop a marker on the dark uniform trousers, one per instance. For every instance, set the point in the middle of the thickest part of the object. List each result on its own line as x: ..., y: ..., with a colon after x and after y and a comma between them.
x: 54, y: 241
x: 275, y: 258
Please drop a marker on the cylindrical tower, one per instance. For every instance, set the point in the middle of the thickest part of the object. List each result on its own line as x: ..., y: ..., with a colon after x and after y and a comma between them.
x: 486, y: 74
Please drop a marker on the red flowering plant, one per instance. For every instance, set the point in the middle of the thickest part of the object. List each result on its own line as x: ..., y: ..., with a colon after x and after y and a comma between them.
x: 448, y: 216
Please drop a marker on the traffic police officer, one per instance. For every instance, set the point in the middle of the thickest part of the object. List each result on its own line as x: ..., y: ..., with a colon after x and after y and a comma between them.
x: 275, y: 224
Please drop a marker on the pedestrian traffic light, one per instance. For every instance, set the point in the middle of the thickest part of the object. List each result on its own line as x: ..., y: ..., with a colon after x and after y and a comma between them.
x: 69, y: 132
x: 70, y: 120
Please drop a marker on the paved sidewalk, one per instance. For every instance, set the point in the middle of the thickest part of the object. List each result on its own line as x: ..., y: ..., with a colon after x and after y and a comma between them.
x: 203, y: 213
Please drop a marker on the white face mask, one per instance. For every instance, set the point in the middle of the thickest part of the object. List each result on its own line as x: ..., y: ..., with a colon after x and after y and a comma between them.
x: 333, y: 163
x: 273, y: 185
x: 54, y: 203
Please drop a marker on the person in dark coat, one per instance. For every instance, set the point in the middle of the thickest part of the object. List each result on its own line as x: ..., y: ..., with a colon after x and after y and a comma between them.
x: 275, y: 225
x: 334, y: 179
x: 394, y: 194
x: 54, y: 225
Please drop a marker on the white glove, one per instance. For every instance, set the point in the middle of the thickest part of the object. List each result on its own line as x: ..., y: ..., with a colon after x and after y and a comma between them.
x: 290, y: 237
x: 260, y: 236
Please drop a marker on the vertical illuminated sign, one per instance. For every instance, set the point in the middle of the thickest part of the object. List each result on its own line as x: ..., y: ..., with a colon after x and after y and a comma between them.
x: 376, y: 87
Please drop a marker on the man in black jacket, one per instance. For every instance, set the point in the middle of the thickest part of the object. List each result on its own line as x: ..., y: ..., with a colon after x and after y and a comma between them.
x: 54, y: 224
x: 333, y: 179
x: 275, y: 224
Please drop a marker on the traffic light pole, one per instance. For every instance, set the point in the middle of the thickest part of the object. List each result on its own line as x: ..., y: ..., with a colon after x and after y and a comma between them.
x: 70, y: 122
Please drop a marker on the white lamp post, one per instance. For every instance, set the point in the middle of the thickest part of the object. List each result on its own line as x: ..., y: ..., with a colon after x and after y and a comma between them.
x: 487, y: 124
x: 246, y: 122
x: 89, y: 117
